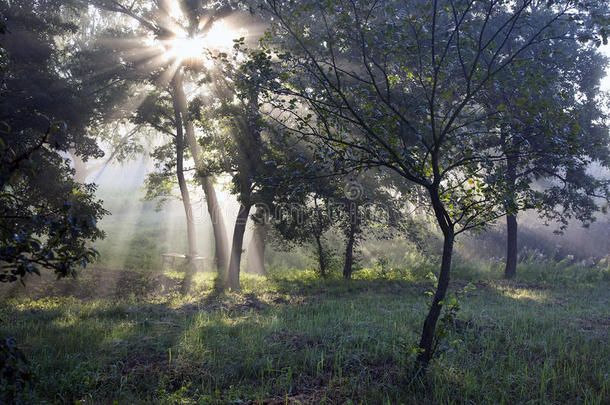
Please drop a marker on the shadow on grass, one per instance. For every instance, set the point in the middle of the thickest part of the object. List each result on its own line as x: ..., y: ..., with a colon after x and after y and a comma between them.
x: 346, y: 339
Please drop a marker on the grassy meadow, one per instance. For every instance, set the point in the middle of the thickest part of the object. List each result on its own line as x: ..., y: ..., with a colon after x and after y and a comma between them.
x: 114, y: 337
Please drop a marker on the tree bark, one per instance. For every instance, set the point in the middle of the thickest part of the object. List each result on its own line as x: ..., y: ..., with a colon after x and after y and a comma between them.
x: 510, y: 271
x: 428, y: 332
x: 236, y: 248
x: 318, y: 231
x: 191, y: 268
x: 426, y: 343
x: 349, y: 254
x: 221, y: 245
x: 511, y: 152
x: 351, y: 240
x: 321, y: 255
x: 256, y: 249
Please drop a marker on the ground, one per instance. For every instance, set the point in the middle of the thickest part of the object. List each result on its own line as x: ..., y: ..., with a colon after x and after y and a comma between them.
x: 128, y: 337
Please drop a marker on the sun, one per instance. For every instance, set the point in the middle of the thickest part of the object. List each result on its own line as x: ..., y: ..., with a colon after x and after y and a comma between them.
x: 219, y: 38
x: 184, y: 48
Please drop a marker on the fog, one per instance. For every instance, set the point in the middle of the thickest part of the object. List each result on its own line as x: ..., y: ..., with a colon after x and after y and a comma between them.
x: 304, y: 202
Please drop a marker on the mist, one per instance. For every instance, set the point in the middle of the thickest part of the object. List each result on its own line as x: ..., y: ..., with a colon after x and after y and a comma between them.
x: 266, y: 202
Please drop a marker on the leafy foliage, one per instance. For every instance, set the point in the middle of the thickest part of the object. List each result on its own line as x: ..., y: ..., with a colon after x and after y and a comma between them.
x: 46, y: 217
x: 397, y: 86
x: 46, y: 221
x: 14, y: 372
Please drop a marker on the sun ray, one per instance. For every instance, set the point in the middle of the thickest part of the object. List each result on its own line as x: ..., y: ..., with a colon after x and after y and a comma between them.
x: 155, y: 63
x: 130, y: 104
x: 169, y: 73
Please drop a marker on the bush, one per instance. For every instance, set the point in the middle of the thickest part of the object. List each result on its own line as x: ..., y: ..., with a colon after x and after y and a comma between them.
x: 14, y: 372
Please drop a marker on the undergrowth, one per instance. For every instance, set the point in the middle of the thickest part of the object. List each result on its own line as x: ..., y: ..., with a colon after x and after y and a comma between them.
x: 296, y: 338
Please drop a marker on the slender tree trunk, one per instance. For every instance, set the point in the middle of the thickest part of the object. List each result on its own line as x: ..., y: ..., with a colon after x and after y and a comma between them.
x: 349, y: 254
x: 510, y: 271
x: 256, y: 248
x: 318, y: 232
x: 236, y: 249
x: 351, y: 240
x: 426, y: 343
x: 428, y: 332
x: 321, y: 255
x: 221, y: 245
x: 191, y: 268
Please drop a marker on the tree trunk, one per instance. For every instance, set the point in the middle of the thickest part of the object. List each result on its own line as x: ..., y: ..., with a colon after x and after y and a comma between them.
x: 318, y: 231
x: 321, y: 255
x: 256, y: 249
x: 236, y: 249
x: 351, y: 240
x: 349, y: 254
x: 426, y: 344
x: 510, y: 271
x: 191, y: 268
x: 221, y: 245
x: 428, y: 333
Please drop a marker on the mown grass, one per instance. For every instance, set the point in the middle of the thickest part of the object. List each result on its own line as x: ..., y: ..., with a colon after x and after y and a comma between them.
x: 298, y: 339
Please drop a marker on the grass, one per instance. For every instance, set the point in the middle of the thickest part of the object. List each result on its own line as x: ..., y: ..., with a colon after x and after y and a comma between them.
x: 298, y: 339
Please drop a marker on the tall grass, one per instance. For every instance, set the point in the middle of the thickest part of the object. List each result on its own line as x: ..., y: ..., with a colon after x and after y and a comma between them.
x: 298, y: 339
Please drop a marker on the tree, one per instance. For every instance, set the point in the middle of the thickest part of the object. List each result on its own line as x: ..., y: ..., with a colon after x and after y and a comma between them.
x: 166, y: 63
x: 535, y: 131
x: 239, y: 145
x: 312, y: 198
x: 47, y: 218
x: 255, y: 252
x: 305, y: 215
x: 368, y: 207
x: 104, y: 90
x: 188, y: 210
x: 163, y: 114
x: 395, y: 85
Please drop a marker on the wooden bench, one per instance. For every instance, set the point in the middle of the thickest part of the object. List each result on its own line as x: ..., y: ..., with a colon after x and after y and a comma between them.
x: 169, y: 260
